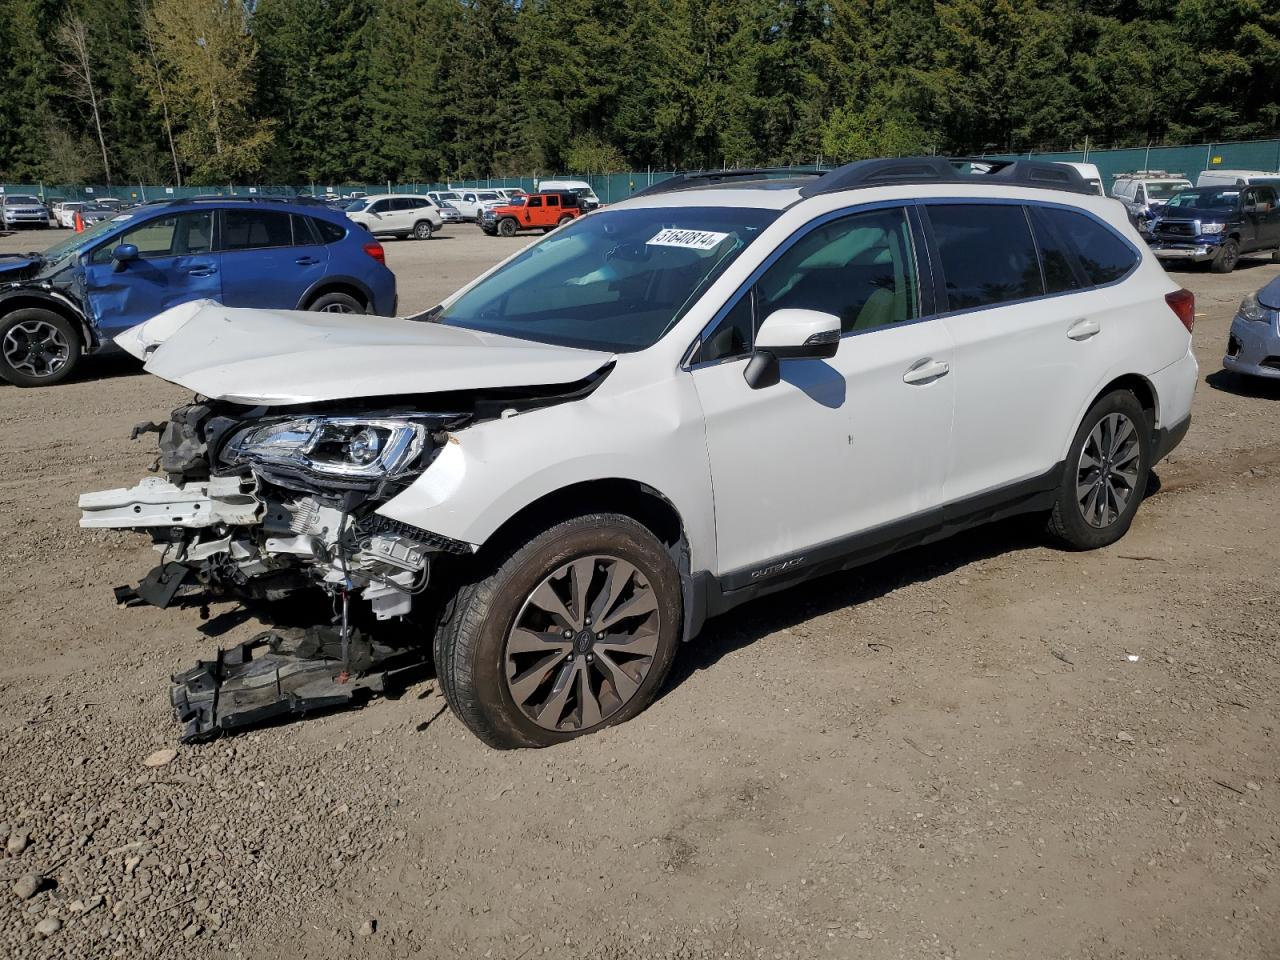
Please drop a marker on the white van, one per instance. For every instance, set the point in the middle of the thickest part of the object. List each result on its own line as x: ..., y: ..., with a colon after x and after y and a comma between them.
x: 1235, y: 178
x: 1090, y: 173
x: 586, y: 195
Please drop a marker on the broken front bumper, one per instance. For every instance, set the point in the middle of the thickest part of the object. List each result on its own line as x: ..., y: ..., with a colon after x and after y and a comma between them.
x: 237, y: 689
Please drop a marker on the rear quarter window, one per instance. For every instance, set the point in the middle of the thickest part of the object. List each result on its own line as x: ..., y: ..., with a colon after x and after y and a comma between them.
x: 329, y: 232
x: 1103, y: 255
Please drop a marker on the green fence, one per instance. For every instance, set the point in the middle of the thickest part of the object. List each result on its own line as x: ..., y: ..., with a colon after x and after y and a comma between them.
x: 1187, y: 160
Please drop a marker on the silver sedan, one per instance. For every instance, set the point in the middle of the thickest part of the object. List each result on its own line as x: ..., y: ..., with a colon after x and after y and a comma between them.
x: 1253, y: 346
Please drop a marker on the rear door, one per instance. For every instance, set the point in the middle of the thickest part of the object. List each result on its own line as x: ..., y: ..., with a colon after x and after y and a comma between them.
x: 261, y: 266
x: 1034, y: 331
x: 175, y: 264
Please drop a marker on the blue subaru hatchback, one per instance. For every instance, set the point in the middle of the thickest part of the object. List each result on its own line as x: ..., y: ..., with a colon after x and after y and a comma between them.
x: 71, y: 300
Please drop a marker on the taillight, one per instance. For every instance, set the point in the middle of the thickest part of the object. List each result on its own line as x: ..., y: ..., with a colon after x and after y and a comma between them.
x: 374, y: 249
x: 1183, y: 303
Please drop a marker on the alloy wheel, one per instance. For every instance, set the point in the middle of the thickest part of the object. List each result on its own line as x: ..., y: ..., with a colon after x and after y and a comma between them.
x: 336, y: 308
x: 1108, y: 470
x: 36, y: 347
x: 582, y: 643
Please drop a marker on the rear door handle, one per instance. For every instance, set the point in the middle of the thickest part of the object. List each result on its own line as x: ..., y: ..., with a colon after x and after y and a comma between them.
x: 1084, y: 329
x: 306, y: 261
x: 926, y: 371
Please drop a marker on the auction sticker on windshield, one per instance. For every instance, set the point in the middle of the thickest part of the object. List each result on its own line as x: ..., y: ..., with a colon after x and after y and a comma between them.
x: 690, y: 239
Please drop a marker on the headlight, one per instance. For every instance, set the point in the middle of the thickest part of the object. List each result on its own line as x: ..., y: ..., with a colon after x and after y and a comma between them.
x: 1251, y: 309
x: 1211, y: 227
x: 344, y: 448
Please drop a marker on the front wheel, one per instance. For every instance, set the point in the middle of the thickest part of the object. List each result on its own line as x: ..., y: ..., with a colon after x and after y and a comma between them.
x: 574, y: 631
x: 1105, y: 475
x: 422, y: 230
x: 1227, y: 257
x: 507, y: 228
x: 37, y: 347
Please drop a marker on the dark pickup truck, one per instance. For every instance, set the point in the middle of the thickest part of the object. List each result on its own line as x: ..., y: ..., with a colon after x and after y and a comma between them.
x: 1218, y: 225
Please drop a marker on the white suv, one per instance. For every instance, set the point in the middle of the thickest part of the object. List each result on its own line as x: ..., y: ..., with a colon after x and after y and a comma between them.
x: 396, y: 215
x: 689, y: 399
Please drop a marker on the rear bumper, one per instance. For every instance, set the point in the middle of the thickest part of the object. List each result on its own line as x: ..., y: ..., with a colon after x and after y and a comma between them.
x: 1253, y: 348
x: 1167, y: 438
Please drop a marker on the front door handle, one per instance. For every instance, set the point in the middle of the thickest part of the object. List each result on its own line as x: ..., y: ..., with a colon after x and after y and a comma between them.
x: 306, y: 261
x: 202, y: 271
x: 1084, y: 329
x: 926, y: 371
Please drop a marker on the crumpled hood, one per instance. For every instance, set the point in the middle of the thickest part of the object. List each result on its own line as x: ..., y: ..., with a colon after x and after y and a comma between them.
x: 291, y: 356
x: 1269, y: 296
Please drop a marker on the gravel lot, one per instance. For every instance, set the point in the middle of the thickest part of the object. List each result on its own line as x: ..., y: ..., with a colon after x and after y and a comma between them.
x: 951, y: 754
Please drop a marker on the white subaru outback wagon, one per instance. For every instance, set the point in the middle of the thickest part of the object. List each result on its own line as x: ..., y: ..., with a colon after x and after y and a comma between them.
x: 711, y: 391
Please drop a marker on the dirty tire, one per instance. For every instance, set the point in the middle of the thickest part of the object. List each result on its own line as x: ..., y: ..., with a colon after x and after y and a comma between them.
x: 471, y: 652
x: 1067, y: 522
x: 422, y: 230
x: 336, y: 302
x: 1227, y: 257
x: 507, y: 227
x: 60, y: 357
x: 1275, y: 255
x: 563, y: 220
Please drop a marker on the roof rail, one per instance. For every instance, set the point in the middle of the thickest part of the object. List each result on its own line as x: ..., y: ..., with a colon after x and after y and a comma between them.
x: 884, y: 172
x: 704, y: 178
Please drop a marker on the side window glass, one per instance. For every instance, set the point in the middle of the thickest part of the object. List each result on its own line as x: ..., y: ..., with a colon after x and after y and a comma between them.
x: 171, y: 236
x: 986, y: 252
x: 253, y: 229
x: 535, y: 201
x: 329, y: 232
x: 1055, y: 255
x: 860, y: 268
x: 1267, y: 197
x: 553, y: 200
x: 380, y: 206
x: 1102, y: 254
x: 304, y: 232
x: 733, y: 336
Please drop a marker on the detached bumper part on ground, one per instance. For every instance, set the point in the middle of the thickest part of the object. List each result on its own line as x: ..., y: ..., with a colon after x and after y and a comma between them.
x: 268, y: 678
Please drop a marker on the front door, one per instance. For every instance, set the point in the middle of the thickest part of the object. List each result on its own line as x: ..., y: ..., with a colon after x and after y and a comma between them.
x: 839, y: 447
x: 175, y: 264
x: 531, y: 213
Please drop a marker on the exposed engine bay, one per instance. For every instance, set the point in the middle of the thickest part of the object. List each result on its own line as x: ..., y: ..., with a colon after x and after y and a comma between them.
x: 256, y: 504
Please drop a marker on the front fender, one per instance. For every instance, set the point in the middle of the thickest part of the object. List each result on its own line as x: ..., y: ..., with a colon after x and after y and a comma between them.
x: 488, y: 473
x: 61, y: 303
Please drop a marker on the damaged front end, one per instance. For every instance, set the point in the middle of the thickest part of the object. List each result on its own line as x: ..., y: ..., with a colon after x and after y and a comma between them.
x: 258, y: 503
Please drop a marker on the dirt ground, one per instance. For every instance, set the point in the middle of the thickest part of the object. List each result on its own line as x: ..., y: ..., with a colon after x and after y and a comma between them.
x: 984, y: 748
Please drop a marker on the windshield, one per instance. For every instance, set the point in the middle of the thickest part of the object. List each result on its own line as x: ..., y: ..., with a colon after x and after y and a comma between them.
x: 77, y: 241
x: 612, y: 281
x: 449, y: 196
x: 22, y: 199
x: 1163, y: 190
x: 1207, y: 198
x: 487, y: 196
x: 355, y: 206
x: 584, y: 192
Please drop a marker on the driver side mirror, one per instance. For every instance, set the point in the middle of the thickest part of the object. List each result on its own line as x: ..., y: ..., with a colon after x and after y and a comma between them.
x: 123, y: 254
x: 791, y: 335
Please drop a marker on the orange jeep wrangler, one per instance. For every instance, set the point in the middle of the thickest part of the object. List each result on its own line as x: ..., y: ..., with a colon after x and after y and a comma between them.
x: 536, y: 211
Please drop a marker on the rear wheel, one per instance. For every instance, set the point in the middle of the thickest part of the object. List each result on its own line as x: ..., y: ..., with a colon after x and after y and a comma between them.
x: 507, y: 227
x: 574, y: 631
x: 422, y: 230
x: 1227, y: 257
x: 336, y: 302
x: 37, y: 347
x: 1105, y: 475
x: 563, y: 220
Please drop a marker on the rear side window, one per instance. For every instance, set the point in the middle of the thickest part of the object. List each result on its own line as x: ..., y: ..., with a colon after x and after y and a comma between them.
x: 986, y: 252
x: 1103, y: 255
x: 252, y: 229
x: 553, y: 200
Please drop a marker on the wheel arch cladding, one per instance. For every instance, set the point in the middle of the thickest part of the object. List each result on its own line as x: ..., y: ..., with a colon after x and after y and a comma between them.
x: 631, y: 498
x: 1141, y: 388
x: 26, y: 300
x: 329, y: 285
